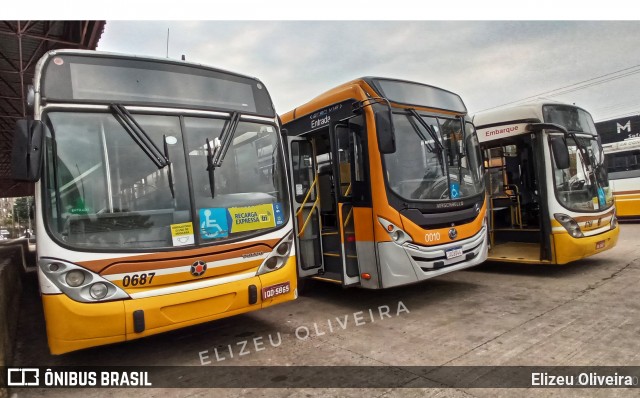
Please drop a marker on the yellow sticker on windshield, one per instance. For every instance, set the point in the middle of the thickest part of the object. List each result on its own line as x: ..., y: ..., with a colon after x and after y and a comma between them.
x: 182, y: 234
x: 250, y: 218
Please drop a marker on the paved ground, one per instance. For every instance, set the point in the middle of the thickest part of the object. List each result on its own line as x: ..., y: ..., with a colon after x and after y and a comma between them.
x: 586, y: 313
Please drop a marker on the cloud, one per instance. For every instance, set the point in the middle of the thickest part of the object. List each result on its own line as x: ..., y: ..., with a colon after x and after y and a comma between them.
x: 487, y: 62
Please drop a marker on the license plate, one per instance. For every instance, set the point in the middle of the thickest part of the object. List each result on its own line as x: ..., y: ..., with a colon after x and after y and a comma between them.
x: 600, y: 245
x: 275, y: 290
x: 453, y: 253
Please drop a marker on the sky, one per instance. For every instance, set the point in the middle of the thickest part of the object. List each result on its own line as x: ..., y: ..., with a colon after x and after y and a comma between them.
x: 488, y: 63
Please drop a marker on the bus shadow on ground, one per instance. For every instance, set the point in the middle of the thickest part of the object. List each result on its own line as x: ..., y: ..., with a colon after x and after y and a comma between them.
x: 419, y: 295
x: 539, y: 270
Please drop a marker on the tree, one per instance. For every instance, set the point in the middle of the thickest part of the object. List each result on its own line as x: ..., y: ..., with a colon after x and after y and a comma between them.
x: 21, y: 209
x: 6, y: 221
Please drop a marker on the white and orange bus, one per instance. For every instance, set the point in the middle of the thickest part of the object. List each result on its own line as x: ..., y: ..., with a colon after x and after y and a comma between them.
x: 387, y: 184
x: 161, y: 195
x: 549, y: 199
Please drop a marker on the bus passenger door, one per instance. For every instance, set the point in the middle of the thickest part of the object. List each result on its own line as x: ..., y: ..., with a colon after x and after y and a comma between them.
x: 346, y: 150
x: 304, y: 183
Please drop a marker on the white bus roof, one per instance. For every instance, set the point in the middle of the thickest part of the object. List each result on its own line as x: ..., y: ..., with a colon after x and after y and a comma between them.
x: 511, y: 121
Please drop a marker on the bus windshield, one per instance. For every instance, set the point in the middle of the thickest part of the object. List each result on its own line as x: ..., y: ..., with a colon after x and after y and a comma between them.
x: 584, y: 185
x: 439, y: 162
x: 572, y: 118
x: 103, y: 192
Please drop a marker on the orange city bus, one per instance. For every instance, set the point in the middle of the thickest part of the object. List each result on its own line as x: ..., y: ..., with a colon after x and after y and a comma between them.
x: 387, y: 184
x: 162, y: 198
x: 549, y: 199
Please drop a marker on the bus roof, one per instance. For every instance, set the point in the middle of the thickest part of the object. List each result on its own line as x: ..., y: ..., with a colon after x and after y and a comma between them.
x: 511, y: 121
x: 352, y: 89
x: 108, y: 54
x: 439, y: 100
x: 530, y: 112
x: 96, y: 77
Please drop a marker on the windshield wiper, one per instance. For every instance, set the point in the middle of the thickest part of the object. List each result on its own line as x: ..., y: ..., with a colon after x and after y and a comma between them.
x: 138, y: 135
x: 460, y: 149
x: 169, y: 173
x: 586, y: 163
x: 439, y: 149
x: 210, y: 168
x: 424, y: 124
x: 419, y: 133
x: 222, y: 144
x: 226, y: 136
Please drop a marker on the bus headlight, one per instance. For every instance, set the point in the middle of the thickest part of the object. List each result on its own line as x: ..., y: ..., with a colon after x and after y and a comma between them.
x: 74, y: 278
x: 79, y: 283
x: 98, y: 290
x: 569, y: 224
x: 614, y: 221
x: 397, y: 234
x: 278, y: 256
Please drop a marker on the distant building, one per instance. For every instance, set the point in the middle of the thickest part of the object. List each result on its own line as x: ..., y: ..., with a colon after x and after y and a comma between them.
x: 616, y: 130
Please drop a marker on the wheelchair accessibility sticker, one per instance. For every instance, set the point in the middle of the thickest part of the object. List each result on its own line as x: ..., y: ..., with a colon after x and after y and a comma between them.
x: 213, y: 223
x: 454, y: 188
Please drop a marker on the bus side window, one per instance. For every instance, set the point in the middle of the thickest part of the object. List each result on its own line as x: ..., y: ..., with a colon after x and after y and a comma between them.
x: 358, y: 157
x: 303, y: 173
x: 343, y: 136
x: 361, y: 191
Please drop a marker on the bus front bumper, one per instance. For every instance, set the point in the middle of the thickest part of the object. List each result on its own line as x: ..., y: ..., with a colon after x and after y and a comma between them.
x: 409, y: 263
x: 73, y: 325
x: 568, y: 248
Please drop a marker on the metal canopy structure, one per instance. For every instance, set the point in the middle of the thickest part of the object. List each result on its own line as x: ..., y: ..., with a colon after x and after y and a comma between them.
x: 22, y: 43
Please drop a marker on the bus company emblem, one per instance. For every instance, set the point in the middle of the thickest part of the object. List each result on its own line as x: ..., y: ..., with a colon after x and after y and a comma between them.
x: 477, y: 207
x: 198, y: 268
x: 453, y: 233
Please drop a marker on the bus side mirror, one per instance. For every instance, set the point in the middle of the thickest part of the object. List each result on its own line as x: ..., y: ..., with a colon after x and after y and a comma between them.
x: 27, y: 154
x: 560, y: 152
x: 384, y: 128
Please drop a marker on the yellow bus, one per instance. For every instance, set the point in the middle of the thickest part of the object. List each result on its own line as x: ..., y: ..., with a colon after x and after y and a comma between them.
x: 387, y: 184
x: 162, y: 198
x: 621, y: 144
x: 549, y: 200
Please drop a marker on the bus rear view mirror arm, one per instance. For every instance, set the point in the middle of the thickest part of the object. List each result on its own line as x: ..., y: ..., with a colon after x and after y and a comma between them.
x: 27, y: 154
x: 533, y: 127
x: 558, y: 145
x: 384, y: 128
x: 384, y: 122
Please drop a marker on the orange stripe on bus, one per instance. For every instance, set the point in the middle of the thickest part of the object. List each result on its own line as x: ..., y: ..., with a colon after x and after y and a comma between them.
x: 170, y: 259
